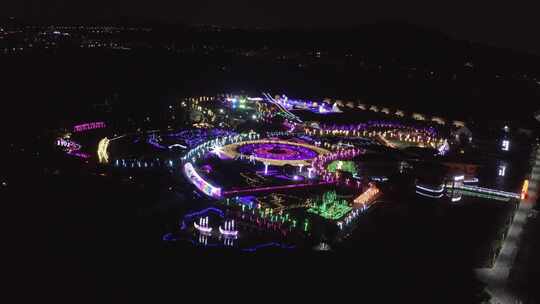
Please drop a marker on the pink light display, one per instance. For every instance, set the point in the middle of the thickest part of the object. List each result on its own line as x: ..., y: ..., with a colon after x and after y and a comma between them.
x: 68, y: 144
x: 89, y: 126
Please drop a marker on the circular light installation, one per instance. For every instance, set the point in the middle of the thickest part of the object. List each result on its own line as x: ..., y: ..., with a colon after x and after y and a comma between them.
x: 275, y: 152
x: 278, y: 151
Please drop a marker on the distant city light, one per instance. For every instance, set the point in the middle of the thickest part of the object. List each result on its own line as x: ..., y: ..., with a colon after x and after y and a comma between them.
x: 502, y: 170
x: 525, y: 189
x: 459, y: 178
x: 506, y: 145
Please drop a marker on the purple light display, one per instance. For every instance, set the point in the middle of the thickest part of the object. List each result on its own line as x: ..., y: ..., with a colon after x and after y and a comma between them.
x: 153, y: 140
x: 79, y: 154
x: 277, y: 151
x: 68, y: 144
x: 72, y: 148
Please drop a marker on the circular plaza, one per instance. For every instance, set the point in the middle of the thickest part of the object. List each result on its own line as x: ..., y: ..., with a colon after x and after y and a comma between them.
x: 275, y: 152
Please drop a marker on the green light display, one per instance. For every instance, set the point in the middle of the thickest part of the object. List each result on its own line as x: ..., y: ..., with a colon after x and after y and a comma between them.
x: 345, y: 166
x: 330, y: 207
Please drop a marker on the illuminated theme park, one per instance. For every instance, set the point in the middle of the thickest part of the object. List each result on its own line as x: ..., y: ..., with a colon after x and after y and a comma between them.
x: 270, y: 172
x: 353, y: 149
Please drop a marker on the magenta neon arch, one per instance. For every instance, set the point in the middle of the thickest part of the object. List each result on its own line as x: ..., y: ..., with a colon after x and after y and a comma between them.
x: 200, y: 183
x: 89, y: 126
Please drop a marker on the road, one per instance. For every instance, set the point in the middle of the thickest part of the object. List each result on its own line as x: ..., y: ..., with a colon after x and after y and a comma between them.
x: 496, y: 277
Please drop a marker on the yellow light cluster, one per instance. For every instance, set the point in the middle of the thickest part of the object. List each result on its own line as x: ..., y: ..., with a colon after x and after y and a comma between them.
x: 103, y: 155
x: 368, y: 197
x: 525, y: 189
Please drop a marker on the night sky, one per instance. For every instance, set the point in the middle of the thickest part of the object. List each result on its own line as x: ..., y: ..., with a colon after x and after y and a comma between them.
x: 506, y: 24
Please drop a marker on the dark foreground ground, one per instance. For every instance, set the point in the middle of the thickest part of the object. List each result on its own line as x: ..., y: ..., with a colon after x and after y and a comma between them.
x: 75, y: 237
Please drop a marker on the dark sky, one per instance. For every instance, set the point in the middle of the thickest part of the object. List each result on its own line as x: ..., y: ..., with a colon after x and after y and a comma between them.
x: 512, y: 24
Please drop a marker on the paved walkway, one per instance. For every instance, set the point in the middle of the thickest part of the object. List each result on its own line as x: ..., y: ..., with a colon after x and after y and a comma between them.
x: 496, y: 277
